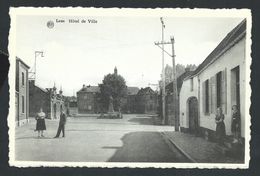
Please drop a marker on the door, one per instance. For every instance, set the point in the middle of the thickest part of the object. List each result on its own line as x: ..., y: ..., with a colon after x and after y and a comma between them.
x: 193, y: 115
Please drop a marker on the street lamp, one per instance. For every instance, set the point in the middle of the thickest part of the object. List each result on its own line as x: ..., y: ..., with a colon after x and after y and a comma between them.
x: 36, y: 54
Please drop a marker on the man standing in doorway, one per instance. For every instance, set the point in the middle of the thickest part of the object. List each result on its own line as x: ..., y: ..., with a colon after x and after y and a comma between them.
x: 61, y: 125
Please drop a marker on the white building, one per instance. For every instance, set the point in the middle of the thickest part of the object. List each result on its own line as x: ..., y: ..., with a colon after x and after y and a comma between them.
x: 219, y: 81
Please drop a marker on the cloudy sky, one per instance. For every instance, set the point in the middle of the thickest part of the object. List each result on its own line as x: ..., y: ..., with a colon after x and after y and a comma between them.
x: 82, y: 53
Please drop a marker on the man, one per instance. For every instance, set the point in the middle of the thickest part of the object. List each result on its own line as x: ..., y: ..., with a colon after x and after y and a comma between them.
x: 61, y: 125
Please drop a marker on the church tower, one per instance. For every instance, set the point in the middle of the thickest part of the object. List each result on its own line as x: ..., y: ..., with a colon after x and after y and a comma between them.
x: 115, y: 71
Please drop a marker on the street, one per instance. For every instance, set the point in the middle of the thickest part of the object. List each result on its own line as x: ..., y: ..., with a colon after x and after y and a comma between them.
x: 134, y: 138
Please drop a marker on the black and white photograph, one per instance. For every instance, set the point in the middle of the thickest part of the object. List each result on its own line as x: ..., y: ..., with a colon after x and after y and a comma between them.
x: 162, y: 88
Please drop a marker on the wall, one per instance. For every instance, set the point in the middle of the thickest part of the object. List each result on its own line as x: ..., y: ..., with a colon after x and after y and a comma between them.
x: 22, y: 90
x: 184, y: 96
x: 37, y: 99
x: 235, y: 56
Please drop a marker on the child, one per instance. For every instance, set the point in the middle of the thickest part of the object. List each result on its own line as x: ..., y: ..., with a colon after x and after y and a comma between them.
x: 235, y: 125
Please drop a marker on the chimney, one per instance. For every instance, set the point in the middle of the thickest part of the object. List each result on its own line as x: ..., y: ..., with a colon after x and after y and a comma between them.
x: 83, y: 85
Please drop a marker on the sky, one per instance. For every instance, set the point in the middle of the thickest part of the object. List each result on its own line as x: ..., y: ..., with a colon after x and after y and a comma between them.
x: 82, y: 53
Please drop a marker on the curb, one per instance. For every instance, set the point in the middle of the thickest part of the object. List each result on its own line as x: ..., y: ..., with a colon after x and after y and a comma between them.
x: 178, y: 147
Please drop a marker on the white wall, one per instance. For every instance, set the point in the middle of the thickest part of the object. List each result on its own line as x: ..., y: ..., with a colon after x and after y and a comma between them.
x: 234, y: 57
x: 185, y: 94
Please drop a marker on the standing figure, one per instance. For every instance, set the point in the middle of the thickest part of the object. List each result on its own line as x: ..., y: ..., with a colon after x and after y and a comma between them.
x: 40, y: 123
x: 235, y: 125
x: 61, y: 125
x: 220, y: 126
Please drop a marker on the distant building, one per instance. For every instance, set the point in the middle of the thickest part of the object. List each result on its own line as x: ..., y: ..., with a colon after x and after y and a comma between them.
x: 146, y: 101
x: 129, y: 103
x: 71, y: 106
x: 21, y: 93
x: 87, y: 99
x: 48, y: 99
x: 219, y: 81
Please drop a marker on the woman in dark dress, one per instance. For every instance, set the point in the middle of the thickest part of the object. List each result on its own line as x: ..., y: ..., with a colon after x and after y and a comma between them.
x: 220, y: 128
x: 40, y: 123
x: 235, y: 125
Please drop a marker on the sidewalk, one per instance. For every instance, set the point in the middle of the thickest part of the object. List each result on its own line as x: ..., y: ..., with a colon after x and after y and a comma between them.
x: 199, y: 149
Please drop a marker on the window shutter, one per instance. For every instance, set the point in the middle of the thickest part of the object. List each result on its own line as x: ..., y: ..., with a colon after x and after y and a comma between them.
x: 210, y: 95
x: 224, y: 90
x: 214, y: 94
x: 204, y: 97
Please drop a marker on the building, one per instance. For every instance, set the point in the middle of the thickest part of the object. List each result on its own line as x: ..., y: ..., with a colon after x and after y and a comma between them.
x: 71, y: 105
x: 219, y: 81
x: 129, y: 105
x: 48, y: 99
x: 87, y: 99
x: 21, y: 93
x: 146, y: 101
x: 169, y: 113
x: 88, y: 102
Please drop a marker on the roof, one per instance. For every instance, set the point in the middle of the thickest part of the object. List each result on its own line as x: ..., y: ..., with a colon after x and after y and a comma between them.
x: 42, y: 89
x: 231, y: 38
x: 90, y: 89
x: 96, y: 89
x: 146, y: 90
x: 132, y: 90
x: 20, y: 60
x: 180, y: 79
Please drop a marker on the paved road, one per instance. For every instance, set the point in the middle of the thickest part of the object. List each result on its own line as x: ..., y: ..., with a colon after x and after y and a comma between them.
x: 131, y: 139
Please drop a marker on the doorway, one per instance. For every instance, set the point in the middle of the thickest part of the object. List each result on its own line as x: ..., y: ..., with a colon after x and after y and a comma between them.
x: 193, y: 115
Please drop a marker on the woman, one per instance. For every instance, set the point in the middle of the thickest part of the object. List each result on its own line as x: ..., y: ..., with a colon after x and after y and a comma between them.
x: 220, y: 128
x: 235, y: 125
x: 40, y: 123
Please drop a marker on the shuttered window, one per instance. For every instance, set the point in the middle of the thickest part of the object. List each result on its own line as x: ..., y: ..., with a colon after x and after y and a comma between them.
x: 224, y: 91
x: 205, y: 87
x: 218, y: 92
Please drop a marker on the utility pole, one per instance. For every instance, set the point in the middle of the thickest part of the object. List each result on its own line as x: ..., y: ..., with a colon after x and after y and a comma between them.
x: 174, y: 89
x: 175, y: 94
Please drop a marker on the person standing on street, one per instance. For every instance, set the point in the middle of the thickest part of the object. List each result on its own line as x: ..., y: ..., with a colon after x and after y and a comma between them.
x: 40, y: 123
x: 220, y: 126
x: 61, y: 125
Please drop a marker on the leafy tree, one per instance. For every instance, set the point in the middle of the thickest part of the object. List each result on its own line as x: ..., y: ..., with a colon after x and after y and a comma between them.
x: 112, y: 85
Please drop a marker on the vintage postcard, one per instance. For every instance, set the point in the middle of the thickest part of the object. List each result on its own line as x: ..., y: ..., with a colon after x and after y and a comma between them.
x: 162, y: 88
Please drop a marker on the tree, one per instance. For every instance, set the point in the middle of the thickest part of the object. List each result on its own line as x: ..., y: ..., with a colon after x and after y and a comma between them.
x: 112, y: 85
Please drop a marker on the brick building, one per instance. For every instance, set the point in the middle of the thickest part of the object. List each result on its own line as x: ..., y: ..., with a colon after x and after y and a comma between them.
x: 21, y: 93
x: 48, y: 99
x: 87, y: 100
x: 146, y: 101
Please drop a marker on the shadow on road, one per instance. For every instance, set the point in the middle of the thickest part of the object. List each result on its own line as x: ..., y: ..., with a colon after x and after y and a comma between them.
x: 144, y: 147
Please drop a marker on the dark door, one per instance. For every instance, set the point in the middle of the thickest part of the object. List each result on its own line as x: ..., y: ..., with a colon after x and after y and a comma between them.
x: 193, y: 115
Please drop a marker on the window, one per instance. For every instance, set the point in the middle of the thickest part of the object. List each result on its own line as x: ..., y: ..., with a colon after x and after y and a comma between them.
x: 207, y: 96
x: 191, y: 84
x: 23, y: 78
x: 218, y: 95
x: 22, y: 104
x: 235, y: 87
x: 219, y: 86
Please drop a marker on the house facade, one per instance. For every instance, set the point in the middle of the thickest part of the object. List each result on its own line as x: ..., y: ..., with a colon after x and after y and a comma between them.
x: 146, y: 101
x: 219, y: 81
x: 87, y: 99
x: 48, y: 99
x: 21, y: 93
